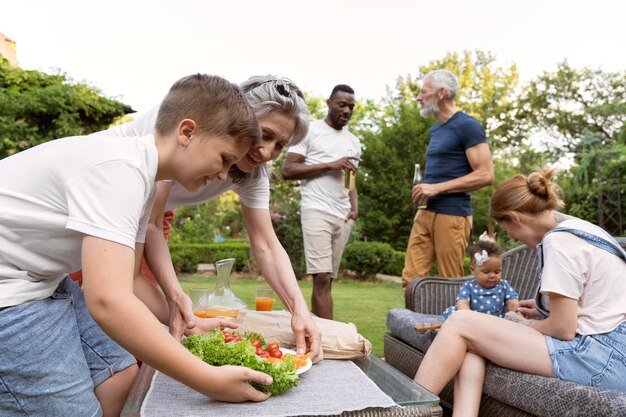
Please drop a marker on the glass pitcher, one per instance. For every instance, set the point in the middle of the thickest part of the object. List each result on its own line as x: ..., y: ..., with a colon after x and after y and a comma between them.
x: 222, y: 301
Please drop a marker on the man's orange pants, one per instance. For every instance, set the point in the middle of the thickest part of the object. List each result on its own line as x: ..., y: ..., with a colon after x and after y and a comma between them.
x: 436, y: 237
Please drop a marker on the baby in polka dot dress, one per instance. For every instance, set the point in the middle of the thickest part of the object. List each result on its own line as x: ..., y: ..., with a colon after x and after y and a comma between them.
x: 487, y: 292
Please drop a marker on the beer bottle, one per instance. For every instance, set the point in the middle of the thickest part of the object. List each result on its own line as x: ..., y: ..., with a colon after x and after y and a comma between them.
x: 418, y: 179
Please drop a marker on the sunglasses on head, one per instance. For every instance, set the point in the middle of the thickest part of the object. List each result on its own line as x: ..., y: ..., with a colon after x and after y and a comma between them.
x: 285, y: 87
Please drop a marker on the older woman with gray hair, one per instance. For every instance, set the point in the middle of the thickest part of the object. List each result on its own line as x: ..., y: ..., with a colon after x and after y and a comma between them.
x: 282, y: 114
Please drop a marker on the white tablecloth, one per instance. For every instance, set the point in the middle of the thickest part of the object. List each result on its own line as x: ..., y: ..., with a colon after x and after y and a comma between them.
x: 328, y: 388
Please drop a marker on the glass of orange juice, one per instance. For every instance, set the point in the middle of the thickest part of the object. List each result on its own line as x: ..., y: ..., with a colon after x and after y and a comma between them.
x: 199, y: 301
x: 264, y: 299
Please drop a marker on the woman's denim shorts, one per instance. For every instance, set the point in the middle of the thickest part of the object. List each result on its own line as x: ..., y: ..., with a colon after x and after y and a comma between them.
x: 597, y: 360
x: 53, y: 355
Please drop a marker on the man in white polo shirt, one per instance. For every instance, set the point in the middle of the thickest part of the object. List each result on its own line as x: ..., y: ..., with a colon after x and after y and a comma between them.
x: 322, y: 161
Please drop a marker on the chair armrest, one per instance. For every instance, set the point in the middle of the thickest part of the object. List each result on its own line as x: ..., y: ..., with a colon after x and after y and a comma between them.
x: 432, y: 295
x: 543, y: 396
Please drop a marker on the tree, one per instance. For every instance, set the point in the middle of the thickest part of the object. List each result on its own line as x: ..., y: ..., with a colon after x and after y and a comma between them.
x: 36, y: 107
x: 317, y: 106
x: 487, y: 91
x: 596, y: 190
x: 577, y: 109
x: 384, y: 179
x: 202, y: 223
x: 580, y: 114
x: 285, y: 214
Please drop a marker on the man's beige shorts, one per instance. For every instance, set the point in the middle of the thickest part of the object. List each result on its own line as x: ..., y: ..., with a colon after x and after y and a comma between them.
x: 325, y: 236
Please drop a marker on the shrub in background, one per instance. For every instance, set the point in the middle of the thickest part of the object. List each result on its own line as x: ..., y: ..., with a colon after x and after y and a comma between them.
x: 285, y: 214
x: 366, y: 259
x: 241, y: 255
x: 184, y: 259
x: 36, y: 107
x: 434, y: 269
x: 187, y: 256
x: 395, y: 265
x: 288, y: 229
x: 219, y: 218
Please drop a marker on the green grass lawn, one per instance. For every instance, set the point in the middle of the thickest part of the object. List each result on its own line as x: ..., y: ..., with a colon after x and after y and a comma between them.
x: 363, y: 303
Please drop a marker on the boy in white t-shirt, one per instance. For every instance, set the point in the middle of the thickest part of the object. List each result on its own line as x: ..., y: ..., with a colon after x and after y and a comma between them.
x: 282, y: 114
x: 73, y: 203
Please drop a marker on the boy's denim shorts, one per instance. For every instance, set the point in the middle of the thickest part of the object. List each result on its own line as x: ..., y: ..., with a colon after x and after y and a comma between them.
x: 53, y: 355
x: 597, y: 360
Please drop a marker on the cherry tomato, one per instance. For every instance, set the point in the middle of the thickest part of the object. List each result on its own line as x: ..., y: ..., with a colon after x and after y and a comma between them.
x: 256, y: 343
x: 229, y: 339
x: 236, y: 338
x: 273, y: 346
x: 276, y: 353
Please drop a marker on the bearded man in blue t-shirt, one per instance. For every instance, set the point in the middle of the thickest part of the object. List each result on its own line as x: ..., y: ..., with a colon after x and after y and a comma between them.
x: 457, y: 161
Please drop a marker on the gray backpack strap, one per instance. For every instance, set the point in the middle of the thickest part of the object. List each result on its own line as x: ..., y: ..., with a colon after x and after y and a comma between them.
x: 610, y: 246
x: 539, y: 303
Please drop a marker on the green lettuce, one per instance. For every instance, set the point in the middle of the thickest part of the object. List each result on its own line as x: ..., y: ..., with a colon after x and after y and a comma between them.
x: 212, y: 349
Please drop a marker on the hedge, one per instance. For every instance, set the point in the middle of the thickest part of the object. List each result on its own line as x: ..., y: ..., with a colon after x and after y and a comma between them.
x: 366, y: 259
x: 395, y: 265
x: 187, y: 256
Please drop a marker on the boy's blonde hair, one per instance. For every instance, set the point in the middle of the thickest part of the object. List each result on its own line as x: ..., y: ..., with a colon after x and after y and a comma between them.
x: 218, y: 107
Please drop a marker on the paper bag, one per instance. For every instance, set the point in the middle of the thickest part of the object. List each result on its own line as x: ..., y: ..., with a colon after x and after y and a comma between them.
x: 339, y: 340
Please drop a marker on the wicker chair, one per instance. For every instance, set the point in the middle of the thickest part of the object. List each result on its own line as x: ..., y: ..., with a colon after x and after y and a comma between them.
x: 506, y: 393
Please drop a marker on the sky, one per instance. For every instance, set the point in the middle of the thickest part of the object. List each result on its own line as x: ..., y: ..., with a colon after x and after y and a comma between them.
x: 134, y: 50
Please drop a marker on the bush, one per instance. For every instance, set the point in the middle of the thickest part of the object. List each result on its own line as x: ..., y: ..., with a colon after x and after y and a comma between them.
x: 288, y: 229
x: 184, y: 259
x: 366, y: 259
x: 434, y: 270
x: 395, y: 265
x: 285, y: 214
x: 241, y: 255
x: 36, y: 107
x: 207, y: 222
x: 187, y: 256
